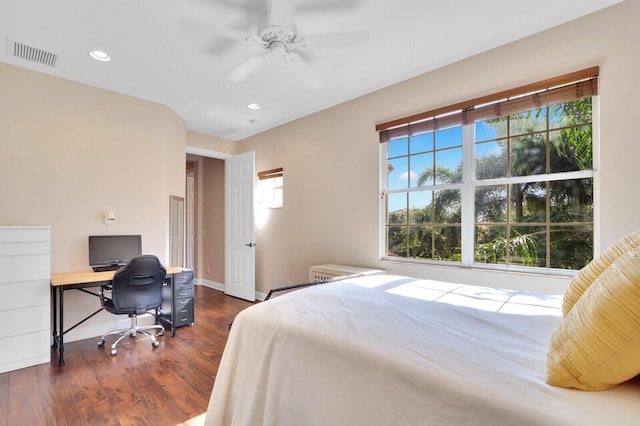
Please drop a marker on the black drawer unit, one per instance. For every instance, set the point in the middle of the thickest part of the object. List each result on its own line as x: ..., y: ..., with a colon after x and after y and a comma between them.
x: 177, y: 301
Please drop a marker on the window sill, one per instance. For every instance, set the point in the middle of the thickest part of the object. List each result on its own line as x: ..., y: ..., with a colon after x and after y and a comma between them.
x: 547, y: 272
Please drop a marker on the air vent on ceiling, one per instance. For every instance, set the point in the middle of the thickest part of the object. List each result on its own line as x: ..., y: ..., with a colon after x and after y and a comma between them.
x: 33, y: 54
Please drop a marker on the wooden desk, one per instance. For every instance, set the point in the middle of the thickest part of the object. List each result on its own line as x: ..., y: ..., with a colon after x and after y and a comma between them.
x: 80, y: 280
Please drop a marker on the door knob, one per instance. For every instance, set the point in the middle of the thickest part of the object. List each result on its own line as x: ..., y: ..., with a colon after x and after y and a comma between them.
x: 250, y: 245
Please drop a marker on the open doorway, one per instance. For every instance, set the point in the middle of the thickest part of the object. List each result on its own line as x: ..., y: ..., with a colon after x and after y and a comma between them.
x: 191, y: 217
x: 204, y: 219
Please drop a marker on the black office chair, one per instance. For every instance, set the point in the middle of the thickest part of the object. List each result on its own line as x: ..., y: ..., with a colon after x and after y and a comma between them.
x: 136, y: 289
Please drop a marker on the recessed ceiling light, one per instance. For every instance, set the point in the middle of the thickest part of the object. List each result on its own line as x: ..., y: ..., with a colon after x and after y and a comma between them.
x: 99, y: 55
x: 254, y: 106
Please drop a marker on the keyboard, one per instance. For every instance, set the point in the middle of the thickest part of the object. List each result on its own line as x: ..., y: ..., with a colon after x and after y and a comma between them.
x: 103, y: 268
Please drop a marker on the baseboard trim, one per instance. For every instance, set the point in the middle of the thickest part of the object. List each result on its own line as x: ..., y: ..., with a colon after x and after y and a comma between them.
x: 220, y: 287
x: 211, y: 284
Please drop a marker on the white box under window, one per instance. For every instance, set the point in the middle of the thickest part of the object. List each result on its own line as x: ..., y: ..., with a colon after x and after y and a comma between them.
x: 332, y: 270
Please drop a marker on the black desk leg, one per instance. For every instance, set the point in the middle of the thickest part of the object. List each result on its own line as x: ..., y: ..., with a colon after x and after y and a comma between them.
x: 54, y: 298
x: 61, y: 326
x: 173, y: 305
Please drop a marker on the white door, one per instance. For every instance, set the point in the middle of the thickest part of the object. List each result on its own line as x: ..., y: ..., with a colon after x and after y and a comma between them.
x: 239, y: 261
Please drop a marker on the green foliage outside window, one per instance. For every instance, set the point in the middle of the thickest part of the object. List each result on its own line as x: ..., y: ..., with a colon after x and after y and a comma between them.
x: 546, y: 222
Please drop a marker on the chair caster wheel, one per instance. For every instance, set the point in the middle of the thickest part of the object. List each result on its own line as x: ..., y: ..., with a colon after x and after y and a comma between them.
x: 114, y: 351
x: 161, y: 333
x: 101, y: 342
x: 155, y: 344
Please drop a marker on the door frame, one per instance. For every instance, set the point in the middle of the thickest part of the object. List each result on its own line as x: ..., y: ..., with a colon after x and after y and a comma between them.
x: 202, y: 152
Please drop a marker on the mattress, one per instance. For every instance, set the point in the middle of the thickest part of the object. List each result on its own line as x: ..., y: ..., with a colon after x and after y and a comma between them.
x: 393, y: 350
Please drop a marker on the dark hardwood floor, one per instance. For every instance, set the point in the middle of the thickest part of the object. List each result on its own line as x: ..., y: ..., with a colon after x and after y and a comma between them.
x: 168, y: 385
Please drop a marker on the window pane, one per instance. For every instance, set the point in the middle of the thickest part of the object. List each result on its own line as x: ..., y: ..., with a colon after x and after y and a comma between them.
x: 421, y: 170
x: 491, y: 244
x: 422, y: 143
x: 491, y: 160
x: 397, y: 147
x: 398, y: 173
x: 528, y: 155
x: 491, y: 204
x: 528, y: 246
x: 447, y: 206
x: 492, y: 129
x: 397, y: 208
x: 420, y: 242
x: 571, y: 200
x: 571, y: 149
x: 570, y: 113
x: 449, y: 166
x: 528, y: 122
x: 529, y: 202
x: 485, y: 132
x: 420, y: 207
x: 449, y: 137
x: 277, y: 197
x: 447, y: 244
x: 572, y: 246
x: 397, y: 241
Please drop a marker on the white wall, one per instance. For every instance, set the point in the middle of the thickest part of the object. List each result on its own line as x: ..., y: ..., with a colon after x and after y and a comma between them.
x: 331, y: 159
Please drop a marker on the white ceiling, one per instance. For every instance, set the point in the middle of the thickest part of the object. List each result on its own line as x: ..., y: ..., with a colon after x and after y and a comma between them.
x: 180, y: 52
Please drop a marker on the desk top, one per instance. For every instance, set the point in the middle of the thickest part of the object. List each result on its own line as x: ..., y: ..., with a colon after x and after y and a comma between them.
x: 84, y: 277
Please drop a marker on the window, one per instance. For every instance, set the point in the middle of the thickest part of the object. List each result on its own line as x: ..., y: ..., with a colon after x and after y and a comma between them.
x: 270, y: 188
x: 504, y: 180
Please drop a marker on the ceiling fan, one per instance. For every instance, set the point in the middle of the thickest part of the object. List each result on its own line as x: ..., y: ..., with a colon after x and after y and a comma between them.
x: 279, y: 37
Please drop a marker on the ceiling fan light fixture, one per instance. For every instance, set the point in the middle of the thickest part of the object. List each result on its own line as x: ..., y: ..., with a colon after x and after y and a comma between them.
x: 278, y: 47
x: 100, y: 55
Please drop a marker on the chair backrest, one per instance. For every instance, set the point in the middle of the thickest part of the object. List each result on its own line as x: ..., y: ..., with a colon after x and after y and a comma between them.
x: 137, y: 287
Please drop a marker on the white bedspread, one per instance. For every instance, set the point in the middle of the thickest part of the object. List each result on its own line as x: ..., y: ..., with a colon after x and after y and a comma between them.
x: 390, y: 350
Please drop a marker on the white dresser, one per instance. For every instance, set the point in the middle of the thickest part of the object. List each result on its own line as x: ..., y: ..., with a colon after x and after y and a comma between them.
x: 25, y: 296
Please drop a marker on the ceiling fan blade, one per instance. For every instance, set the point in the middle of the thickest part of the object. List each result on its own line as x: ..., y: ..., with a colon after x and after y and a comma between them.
x: 220, y: 38
x: 246, y: 67
x: 235, y: 34
x: 346, y: 40
x: 281, y: 13
x: 302, y: 70
x: 319, y: 6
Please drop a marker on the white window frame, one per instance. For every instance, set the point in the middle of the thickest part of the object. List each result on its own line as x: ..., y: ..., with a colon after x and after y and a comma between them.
x: 270, y: 194
x: 467, y: 187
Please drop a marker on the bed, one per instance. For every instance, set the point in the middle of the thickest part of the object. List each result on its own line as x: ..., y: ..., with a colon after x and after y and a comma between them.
x: 394, y: 350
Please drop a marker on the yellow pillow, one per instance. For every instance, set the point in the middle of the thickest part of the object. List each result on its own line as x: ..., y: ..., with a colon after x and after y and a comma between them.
x: 597, y: 346
x: 585, y: 277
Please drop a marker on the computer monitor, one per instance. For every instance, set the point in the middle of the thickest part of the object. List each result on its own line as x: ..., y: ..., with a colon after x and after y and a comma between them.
x: 113, y: 249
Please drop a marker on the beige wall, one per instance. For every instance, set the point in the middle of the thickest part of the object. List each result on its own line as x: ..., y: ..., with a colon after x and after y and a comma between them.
x: 213, y: 144
x: 331, y: 158
x: 69, y: 152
